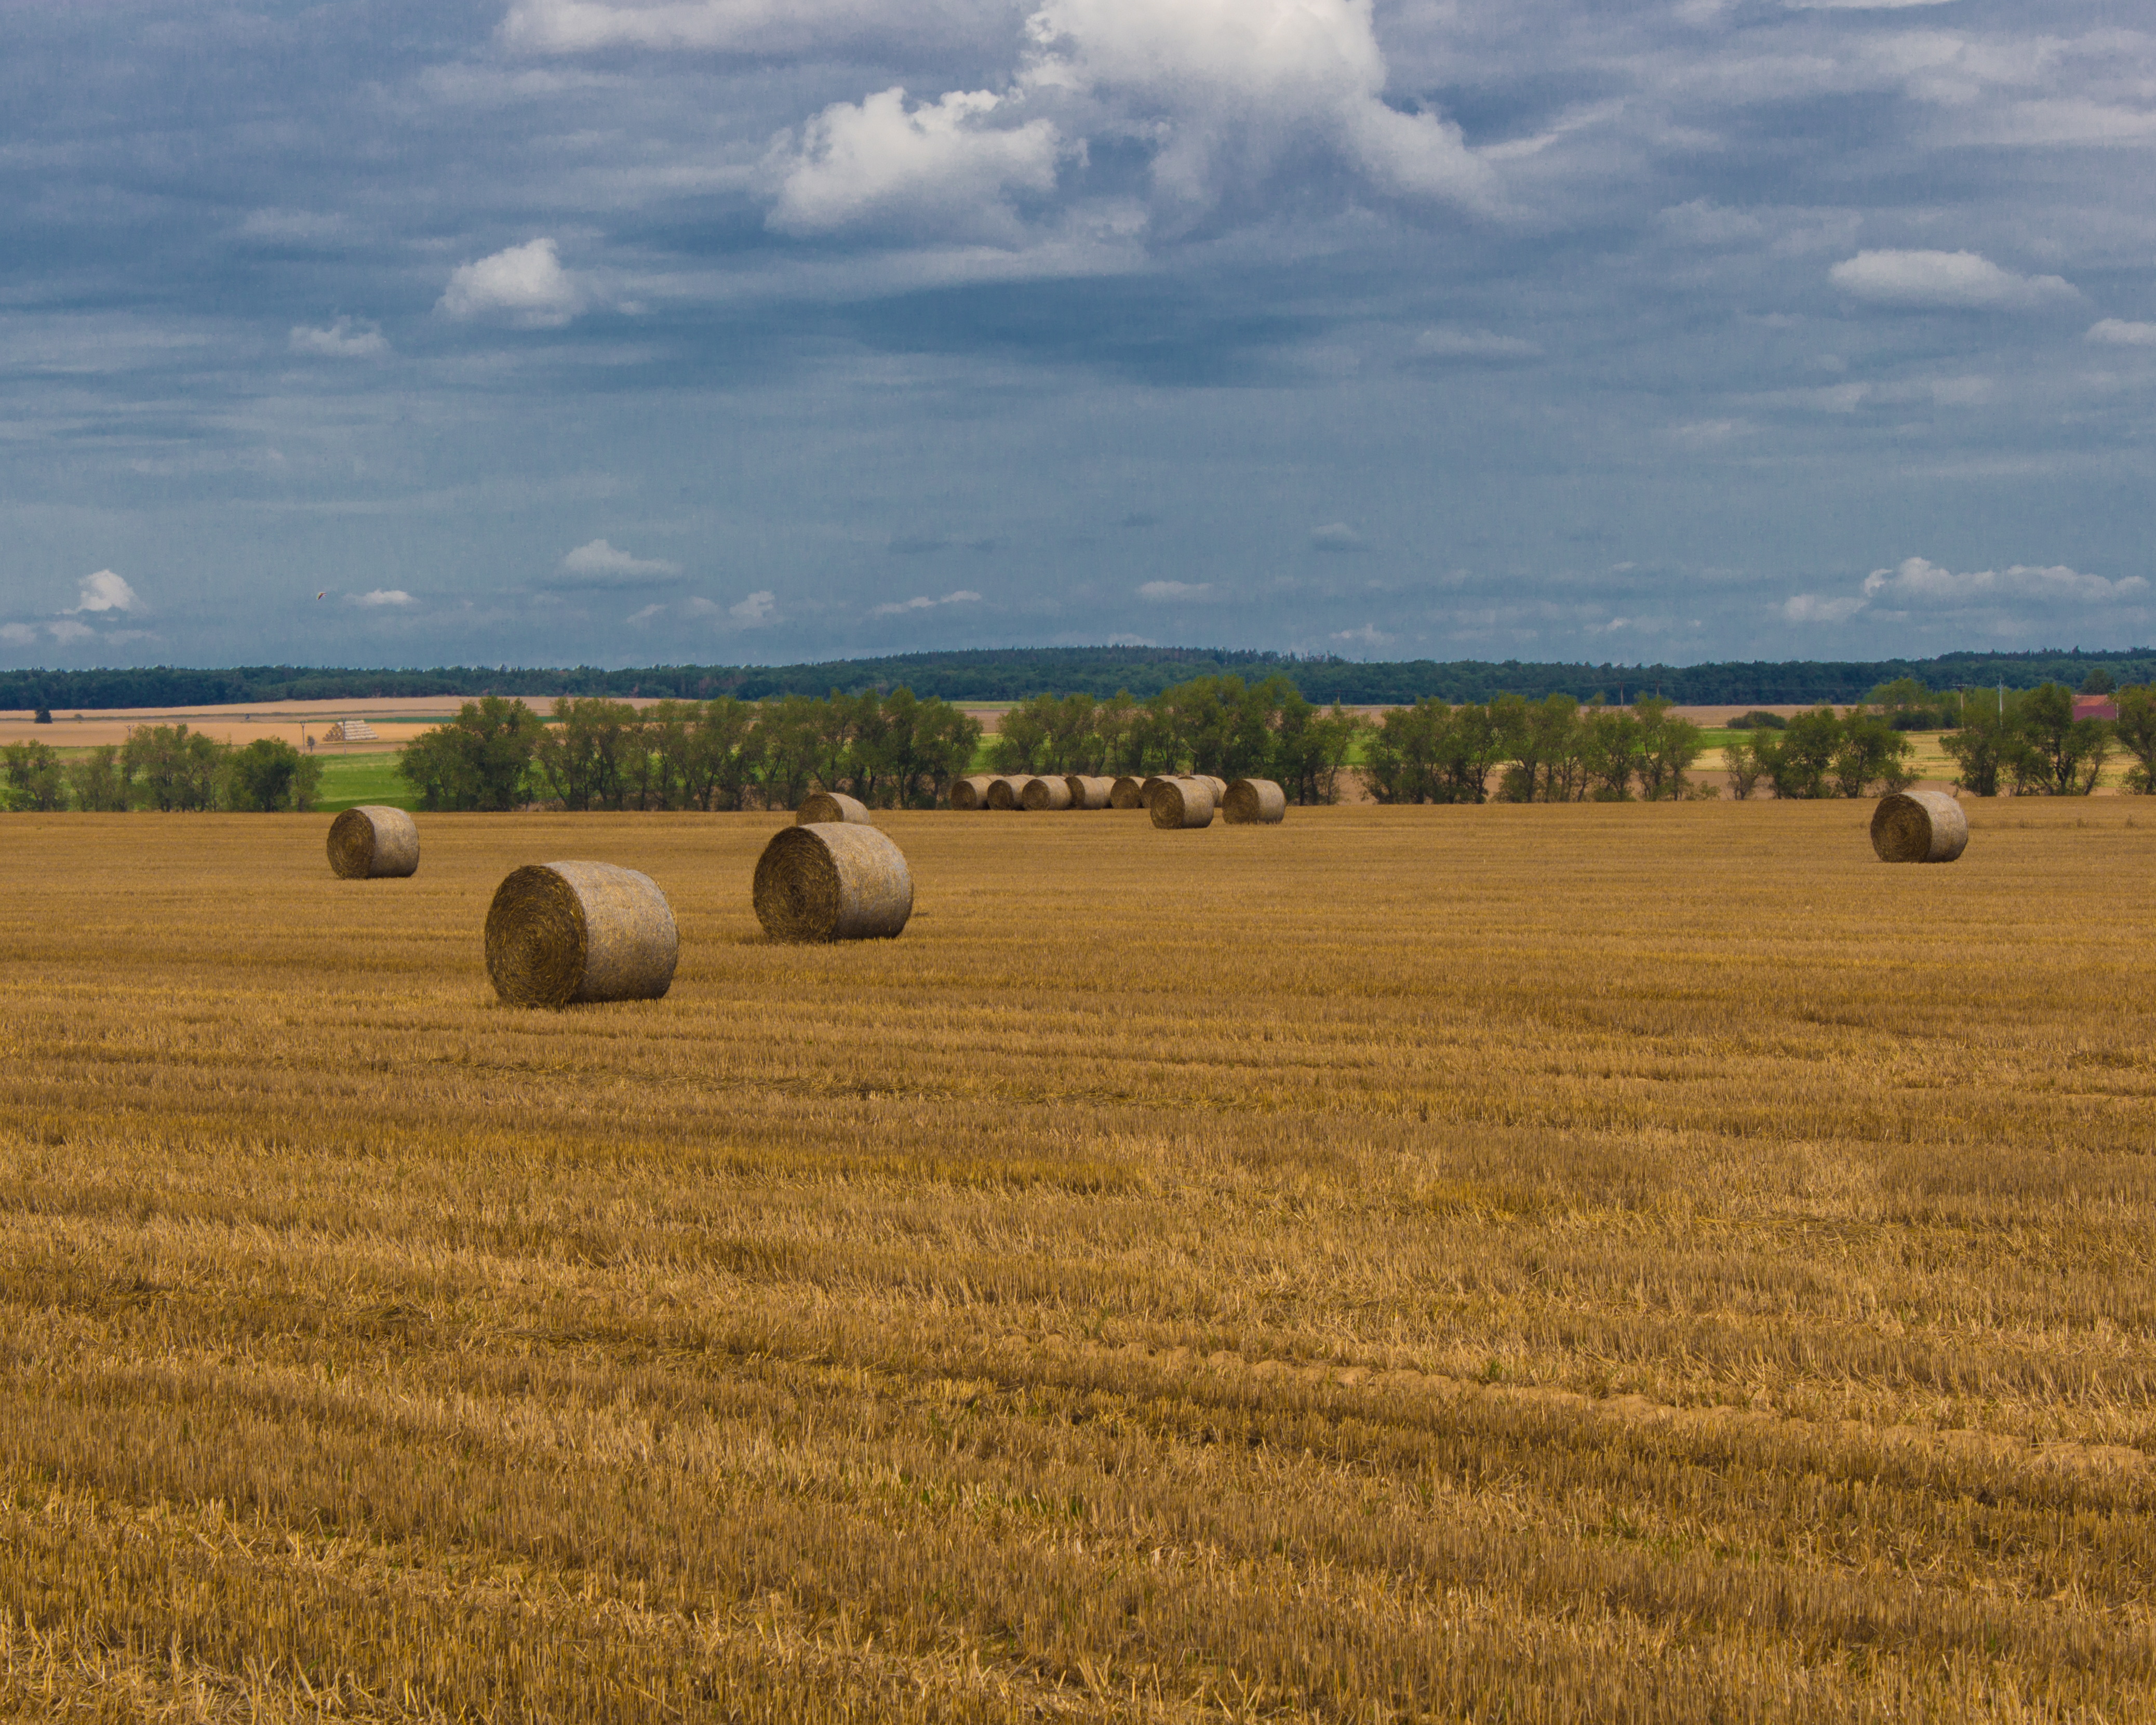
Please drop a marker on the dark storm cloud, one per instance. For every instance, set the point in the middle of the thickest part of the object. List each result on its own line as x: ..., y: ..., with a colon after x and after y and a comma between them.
x: 1648, y: 331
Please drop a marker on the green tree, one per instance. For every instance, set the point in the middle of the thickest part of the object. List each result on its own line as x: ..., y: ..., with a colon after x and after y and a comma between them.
x: 2099, y: 681
x: 791, y: 729
x: 171, y: 767
x: 1610, y: 747
x: 932, y: 743
x: 482, y: 759
x: 1799, y: 763
x: 590, y: 755
x: 1312, y: 748
x: 1744, y: 759
x: 35, y: 780
x: 1669, y: 745
x: 1907, y: 705
x: 1407, y: 752
x: 2136, y: 732
x: 269, y: 776
x: 1872, y: 755
x: 97, y: 785
x: 1022, y: 738
x: 725, y: 755
x: 1986, y: 746
x: 2060, y: 755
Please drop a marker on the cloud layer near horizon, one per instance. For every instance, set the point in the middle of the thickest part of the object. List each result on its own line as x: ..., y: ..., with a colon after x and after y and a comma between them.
x: 609, y: 330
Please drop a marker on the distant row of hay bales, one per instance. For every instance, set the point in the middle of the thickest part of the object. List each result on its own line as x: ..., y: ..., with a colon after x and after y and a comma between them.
x: 1176, y: 800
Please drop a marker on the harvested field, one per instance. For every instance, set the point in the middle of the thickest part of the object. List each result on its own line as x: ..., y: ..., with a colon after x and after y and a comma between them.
x: 1602, y: 1263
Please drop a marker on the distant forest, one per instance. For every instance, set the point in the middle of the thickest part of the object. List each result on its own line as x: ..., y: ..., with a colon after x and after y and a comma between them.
x: 1017, y: 673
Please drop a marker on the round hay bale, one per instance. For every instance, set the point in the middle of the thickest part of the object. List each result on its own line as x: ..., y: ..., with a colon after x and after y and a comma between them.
x: 1088, y: 791
x: 560, y: 933
x: 972, y: 792
x: 372, y: 843
x: 1128, y: 792
x: 1044, y: 792
x: 1182, y: 803
x: 832, y: 805
x: 830, y: 882
x: 1003, y: 791
x: 1919, y: 826
x: 1254, y: 801
x: 1219, y: 786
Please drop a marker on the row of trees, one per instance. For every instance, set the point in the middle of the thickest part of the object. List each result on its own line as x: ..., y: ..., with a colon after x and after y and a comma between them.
x: 1550, y: 751
x: 164, y: 767
x: 895, y: 750
x: 2032, y: 742
x: 1219, y: 725
x: 891, y: 751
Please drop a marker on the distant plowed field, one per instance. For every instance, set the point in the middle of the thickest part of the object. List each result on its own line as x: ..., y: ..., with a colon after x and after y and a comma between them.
x: 1646, y: 1263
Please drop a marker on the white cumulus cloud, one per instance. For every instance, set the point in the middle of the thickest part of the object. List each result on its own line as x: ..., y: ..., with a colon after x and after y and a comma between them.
x: 1336, y: 535
x: 1160, y: 592
x: 526, y: 284
x: 949, y: 163
x: 2119, y: 333
x: 1952, y: 280
x: 1218, y: 94
x: 758, y: 608
x: 765, y: 26
x: 1918, y: 585
x: 381, y: 596
x: 922, y: 602
x: 1917, y: 581
x: 343, y: 339
x: 106, y: 591
x: 1230, y: 86
x: 1814, y: 608
x: 600, y: 559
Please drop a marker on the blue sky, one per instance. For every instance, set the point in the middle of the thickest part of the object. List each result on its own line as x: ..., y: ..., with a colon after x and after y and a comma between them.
x: 585, y: 331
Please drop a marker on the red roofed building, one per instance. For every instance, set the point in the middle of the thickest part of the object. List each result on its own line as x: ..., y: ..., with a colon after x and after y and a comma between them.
x: 2096, y: 707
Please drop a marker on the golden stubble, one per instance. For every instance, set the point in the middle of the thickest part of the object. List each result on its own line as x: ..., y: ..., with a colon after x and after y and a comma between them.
x: 1597, y: 1263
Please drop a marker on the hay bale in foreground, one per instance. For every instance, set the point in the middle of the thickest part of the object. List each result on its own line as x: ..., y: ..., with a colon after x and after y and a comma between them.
x: 373, y: 843
x: 972, y: 792
x: 832, y: 805
x: 830, y: 882
x: 1045, y: 792
x: 1003, y: 791
x: 560, y: 933
x: 1088, y: 790
x: 1254, y: 801
x: 1919, y: 826
x: 1127, y: 791
x: 1182, y: 803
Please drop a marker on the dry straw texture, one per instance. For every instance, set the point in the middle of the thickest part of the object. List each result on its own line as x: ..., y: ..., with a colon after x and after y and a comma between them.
x: 1003, y: 791
x: 373, y: 843
x: 823, y: 806
x: 1178, y: 804
x: 1219, y: 787
x: 1919, y: 826
x: 1045, y: 793
x: 1629, y: 1263
x: 1088, y: 791
x: 1128, y: 793
x: 566, y: 933
x: 832, y: 883
x: 972, y: 792
x: 1254, y: 801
